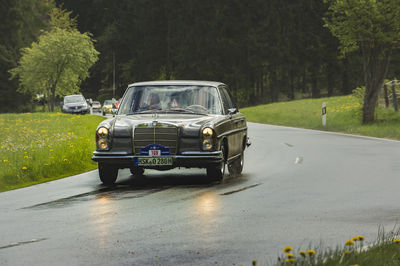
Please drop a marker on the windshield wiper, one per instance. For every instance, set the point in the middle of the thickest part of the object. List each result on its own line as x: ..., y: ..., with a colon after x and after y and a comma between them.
x: 182, y: 110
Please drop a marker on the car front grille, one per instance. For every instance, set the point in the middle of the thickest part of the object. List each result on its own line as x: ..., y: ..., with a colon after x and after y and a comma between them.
x: 165, y: 135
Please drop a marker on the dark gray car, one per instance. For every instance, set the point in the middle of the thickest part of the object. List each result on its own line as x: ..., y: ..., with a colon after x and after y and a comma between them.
x: 166, y: 124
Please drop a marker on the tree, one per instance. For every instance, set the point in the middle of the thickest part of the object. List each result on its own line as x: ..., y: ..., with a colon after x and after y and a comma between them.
x: 374, y: 27
x: 20, y: 24
x: 57, y: 63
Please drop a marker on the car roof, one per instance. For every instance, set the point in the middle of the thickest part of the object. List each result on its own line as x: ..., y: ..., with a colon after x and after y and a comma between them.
x: 178, y: 82
x: 73, y: 95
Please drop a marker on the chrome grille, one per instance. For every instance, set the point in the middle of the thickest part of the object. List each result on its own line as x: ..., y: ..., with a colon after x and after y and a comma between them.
x: 166, y: 136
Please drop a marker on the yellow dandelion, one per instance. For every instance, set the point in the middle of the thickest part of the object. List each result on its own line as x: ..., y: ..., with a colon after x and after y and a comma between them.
x: 397, y: 241
x: 290, y: 260
x: 254, y: 262
x: 5, y: 161
x: 347, y: 252
x: 349, y: 243
x: 65, y: 160
x: 287, y: 249
x: 26, y: 157
x: 24, y: 168
x: 355, y: 238
x: 51, y: 150
x: 289, y: 255
x: 302, y: 253
x: 361, y: 238
x: 354, y: 265
x: 311, y: 252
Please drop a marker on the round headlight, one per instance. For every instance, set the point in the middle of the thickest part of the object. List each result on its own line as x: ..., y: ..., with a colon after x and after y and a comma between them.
x: 207, y: 144
x: 207, y: 132
x: 102, y: 132
x: 103, y: 144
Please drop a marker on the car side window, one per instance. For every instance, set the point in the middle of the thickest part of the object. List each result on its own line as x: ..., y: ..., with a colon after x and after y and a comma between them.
x: 226, y: 99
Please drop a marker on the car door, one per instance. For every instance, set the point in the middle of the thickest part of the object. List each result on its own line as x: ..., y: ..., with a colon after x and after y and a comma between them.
x: 235, y: 120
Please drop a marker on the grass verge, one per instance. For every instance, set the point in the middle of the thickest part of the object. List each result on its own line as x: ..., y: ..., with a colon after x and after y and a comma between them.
x: 343, y: 115
x: 41, y: 147
x: 384, y: 251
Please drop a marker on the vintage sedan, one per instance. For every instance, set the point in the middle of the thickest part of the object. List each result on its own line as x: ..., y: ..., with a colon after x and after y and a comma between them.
x: 166, y: 124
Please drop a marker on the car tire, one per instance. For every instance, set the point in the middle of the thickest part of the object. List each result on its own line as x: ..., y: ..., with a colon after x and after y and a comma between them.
x: 108, y: 174
x: 216, y: 173
x: 236, y: 167
x: 137, y: 171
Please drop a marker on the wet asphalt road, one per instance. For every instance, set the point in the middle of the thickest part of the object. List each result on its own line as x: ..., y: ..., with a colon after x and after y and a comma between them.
x: 299, y: 187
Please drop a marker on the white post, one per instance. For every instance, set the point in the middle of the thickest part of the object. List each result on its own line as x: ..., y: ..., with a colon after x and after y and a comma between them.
x: 324, y: 114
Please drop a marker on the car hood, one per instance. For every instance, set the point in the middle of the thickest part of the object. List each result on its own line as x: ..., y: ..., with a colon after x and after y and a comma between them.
x: 122, y: 126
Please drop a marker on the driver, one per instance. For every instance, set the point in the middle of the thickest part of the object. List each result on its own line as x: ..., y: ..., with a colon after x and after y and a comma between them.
x: 154, y: 102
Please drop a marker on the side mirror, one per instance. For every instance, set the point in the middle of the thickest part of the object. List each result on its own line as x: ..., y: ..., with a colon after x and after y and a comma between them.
x: 232, y: 111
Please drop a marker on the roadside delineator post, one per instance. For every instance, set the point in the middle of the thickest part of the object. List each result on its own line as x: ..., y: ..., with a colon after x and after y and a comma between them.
x: 324, y: 113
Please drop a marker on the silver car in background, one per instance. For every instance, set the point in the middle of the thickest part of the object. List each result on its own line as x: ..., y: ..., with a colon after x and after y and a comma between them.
x: 75, y: 104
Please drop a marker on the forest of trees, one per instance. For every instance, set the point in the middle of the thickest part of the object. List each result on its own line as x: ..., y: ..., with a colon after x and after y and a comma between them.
x: 265, y: 51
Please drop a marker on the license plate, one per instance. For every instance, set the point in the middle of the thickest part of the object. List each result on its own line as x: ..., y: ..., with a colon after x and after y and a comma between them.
x: 153, y: 161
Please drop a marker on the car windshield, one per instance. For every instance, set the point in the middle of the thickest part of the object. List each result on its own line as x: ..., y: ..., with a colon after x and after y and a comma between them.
x: 171, y: 98
x: 74, y: 99
x: 107, y: 102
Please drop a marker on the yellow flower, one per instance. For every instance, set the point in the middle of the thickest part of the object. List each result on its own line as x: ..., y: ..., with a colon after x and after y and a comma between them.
x: 254, y: 262
x: 355, y: 238
x: 347, y: 252
x: 302, y: 253
x: 51, y: 150
x: 65, y: 160
x: 354, y: 265
x: 287, y: 249
x: 26, y: 157
x: 24, y: 168
x: 46, y: 164
x: 290, y: 260
x: 5, y: 161
x: 289, y: 255
x: 361, y: 238
x: 311, y: 252
x: 349, y: 243
x: 397, y: 241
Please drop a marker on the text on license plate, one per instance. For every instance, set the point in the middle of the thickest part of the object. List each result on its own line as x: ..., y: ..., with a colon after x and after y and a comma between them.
x: 153, y: 161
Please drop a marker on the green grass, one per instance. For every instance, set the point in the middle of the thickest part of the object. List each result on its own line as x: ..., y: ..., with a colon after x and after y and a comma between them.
x: 343, y: 115
x: 384, y: 251
x: 40, y: 147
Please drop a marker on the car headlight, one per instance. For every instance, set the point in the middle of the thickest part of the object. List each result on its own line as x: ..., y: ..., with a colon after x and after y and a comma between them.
x: 208, y: 139
x: 207, y: 132
x: 103, y: 132
x: 207, y: 144
x: 102, y: 144
x: 103, y: 138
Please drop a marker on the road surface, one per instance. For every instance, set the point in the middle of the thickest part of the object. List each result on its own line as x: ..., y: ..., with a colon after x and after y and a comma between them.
x: 299, y: 188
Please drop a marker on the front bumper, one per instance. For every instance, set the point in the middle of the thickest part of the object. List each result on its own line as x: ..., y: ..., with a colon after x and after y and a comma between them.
x: 186, y: 159
x: 76, y: 111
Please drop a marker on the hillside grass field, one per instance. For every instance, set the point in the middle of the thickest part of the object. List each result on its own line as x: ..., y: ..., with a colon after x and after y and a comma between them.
x: 343, y: 115
x: 40, y: 147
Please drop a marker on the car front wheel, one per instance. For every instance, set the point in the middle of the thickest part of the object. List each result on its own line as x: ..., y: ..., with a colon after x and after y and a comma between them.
x: 137, y: 171
x: 216, y: 173
x: 236, y: 167
x: 108, y: 174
